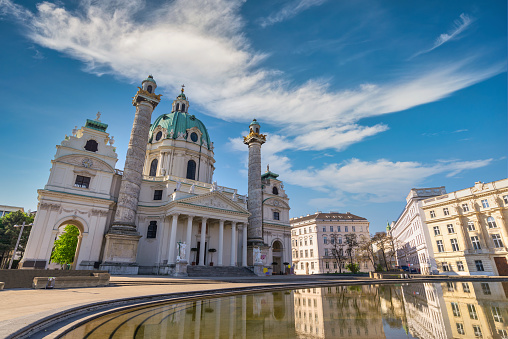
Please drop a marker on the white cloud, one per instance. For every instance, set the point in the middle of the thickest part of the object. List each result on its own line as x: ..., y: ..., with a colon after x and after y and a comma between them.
x: 202, y: 45
x: 289, y: 11
x: 459, y: 26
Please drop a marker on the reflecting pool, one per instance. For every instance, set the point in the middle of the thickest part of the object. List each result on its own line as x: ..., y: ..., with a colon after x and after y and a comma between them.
x: 414, y: 310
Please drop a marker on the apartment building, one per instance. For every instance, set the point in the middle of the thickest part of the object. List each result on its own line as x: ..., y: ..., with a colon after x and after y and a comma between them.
x: 469, y: 230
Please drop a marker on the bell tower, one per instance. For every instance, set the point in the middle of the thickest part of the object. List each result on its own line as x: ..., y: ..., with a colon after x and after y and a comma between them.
x: 122, y: 239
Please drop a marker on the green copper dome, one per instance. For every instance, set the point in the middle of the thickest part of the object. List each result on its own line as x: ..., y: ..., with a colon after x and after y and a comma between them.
x: 254, y: 122
x: 150, y: 78
x: 179, y: 122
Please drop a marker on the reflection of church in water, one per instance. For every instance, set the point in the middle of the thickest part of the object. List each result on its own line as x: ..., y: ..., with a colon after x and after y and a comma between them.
x: 164, y: 209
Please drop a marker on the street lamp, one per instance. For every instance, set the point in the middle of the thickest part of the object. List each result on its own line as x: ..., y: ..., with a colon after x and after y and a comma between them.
x: 17, y: 242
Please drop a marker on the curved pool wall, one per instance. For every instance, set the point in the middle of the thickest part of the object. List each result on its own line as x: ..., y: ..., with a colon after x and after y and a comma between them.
x: 453, y: 309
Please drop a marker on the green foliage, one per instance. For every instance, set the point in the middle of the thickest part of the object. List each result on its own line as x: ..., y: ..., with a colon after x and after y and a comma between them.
x: 65, y: 246
x: 9, y: 234
x: 353, y: 267
x: 379, y: 268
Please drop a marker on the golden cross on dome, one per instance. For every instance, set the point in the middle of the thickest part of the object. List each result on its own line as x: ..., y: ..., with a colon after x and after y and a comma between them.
x: 183, y: 87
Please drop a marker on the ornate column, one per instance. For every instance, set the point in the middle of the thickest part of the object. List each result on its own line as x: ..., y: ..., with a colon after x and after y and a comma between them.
x: 233, y: 243
x: 172, y: 239
x: 221, y: 242
x: 244, y: 245
x: 188, y: 238
x: 203, y: 241
x: 122, y: 239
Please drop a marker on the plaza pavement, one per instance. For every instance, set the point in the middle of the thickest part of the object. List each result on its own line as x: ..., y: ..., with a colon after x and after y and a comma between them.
x: 22, y: 307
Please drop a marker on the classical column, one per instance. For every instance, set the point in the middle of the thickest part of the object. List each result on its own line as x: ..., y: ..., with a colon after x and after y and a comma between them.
x: 188, y: 238
x: 233, y: 243
x: 244, y: 244
x: 202, y: 244
x: 172, y: 239
x: 255, y: 204
x: 221, y: 242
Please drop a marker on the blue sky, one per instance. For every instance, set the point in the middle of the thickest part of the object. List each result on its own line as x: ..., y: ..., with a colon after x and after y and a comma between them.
x: 361, y: 100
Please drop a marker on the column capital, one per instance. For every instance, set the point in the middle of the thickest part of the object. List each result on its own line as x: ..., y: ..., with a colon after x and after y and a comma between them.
x: 190, y: 216
x: 204, y: 219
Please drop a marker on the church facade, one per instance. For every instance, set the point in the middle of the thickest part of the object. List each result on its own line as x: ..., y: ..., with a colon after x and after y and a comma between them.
x: 163, y: 211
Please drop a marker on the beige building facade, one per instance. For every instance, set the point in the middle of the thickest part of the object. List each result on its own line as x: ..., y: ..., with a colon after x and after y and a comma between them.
x: 469, y: 229
x: 313, y: 237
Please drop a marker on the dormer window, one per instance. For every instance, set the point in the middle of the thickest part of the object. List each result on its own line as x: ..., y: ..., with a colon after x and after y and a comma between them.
x: 149, y: 89
x: 158, y: 136
x: 275, y: 190
x: 92, y: 146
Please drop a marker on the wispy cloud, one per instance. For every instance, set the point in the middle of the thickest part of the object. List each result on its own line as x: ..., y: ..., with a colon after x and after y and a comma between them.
x: 289, y: 11
x: 185, y: 37
x: 459, y: 26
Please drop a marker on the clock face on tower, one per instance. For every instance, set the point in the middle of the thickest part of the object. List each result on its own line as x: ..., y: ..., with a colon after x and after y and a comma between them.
x: 87, y: 163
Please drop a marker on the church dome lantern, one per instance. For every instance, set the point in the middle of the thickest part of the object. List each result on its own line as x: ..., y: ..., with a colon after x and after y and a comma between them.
x: 254, y: 126
x: 181, y: 103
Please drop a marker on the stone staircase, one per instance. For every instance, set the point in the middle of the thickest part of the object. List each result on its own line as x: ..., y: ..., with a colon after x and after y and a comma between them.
x: 219, y: 271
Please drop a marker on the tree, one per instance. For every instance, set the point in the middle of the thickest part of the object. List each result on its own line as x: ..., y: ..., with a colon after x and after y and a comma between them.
x: 385, y: 245
x: 337, y: 250
x: 351, y: 244
x: 9, y: 234
x: 65, y: 246
x: 367, y: 251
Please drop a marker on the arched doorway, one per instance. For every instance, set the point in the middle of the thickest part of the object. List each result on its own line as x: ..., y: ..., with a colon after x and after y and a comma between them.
x: 277, y: 257
x: 69, y: 235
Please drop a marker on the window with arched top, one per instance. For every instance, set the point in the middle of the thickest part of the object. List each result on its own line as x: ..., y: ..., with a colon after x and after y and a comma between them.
x: 275, y: 190
x: 152, y: 230
x: 177, y: 107
x: 149, y: 89
x: 92, y: 145
x: 492, y: 222
x: 183, y: 107
x: 191, y: 170
x: 153, y: 167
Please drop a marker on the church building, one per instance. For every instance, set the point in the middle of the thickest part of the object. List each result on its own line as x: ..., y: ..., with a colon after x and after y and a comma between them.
x: 163, y: 211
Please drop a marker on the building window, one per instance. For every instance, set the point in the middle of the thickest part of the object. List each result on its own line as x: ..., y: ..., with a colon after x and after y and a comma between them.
x: 455, y: 309
x: 497, y: 240
x: 153, y: 167
x: 455, y: 245
x: 470, y: 226
x: 465, y: 287
x: 353, y: 229
x: 491, y: 222
x: 152, y: 230
x: 311, y: 267
x: 476, y: 243
x: 477, y: 331
x: 325, y: 240
x: 275, y: 190
x: 301, y: 265
x: 335, y: 265
x: 157, y: 195
x: 310, y: 240
x: 338, y: 228
x: 306, y: 253
x: 436, y: 230
x: 331, y: 228
x: 450, y: 228
x: 191, y: 170
x: 301, y: 253
x: 486, y: 289
x: 311, y: 253
x: 276, y: 216
x: 465, y: 207
x: 305, y: 241
x: 324, y: 228
x: 194, y: 137
x: 92, y: 146
x: 301, y: 242
x: 340, y: 240
x: 472, y: 312
x: 505, y: 199
x: 327, y: 265
x: 326, y: 252
x: 445, y: 211
x: 460, y: 266
x: 479, y: 265
x: 345, y: 229
x: 485, y: 203
x: 460, y: 328
x: 496, y: 314
x: 432, y: 214
x: 332, y: 240
x: 446, y: 268
x: 82, y: 182
x: 440, y: 247
x: 502, y: 333
x: 158, y: 136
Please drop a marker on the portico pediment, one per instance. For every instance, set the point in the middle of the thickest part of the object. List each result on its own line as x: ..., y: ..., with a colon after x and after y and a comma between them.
x: 215, y: 200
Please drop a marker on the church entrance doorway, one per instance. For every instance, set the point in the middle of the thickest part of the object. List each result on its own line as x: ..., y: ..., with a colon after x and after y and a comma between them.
x: 66, y: 246
x: 277, y: 257
x: 199, y: 250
